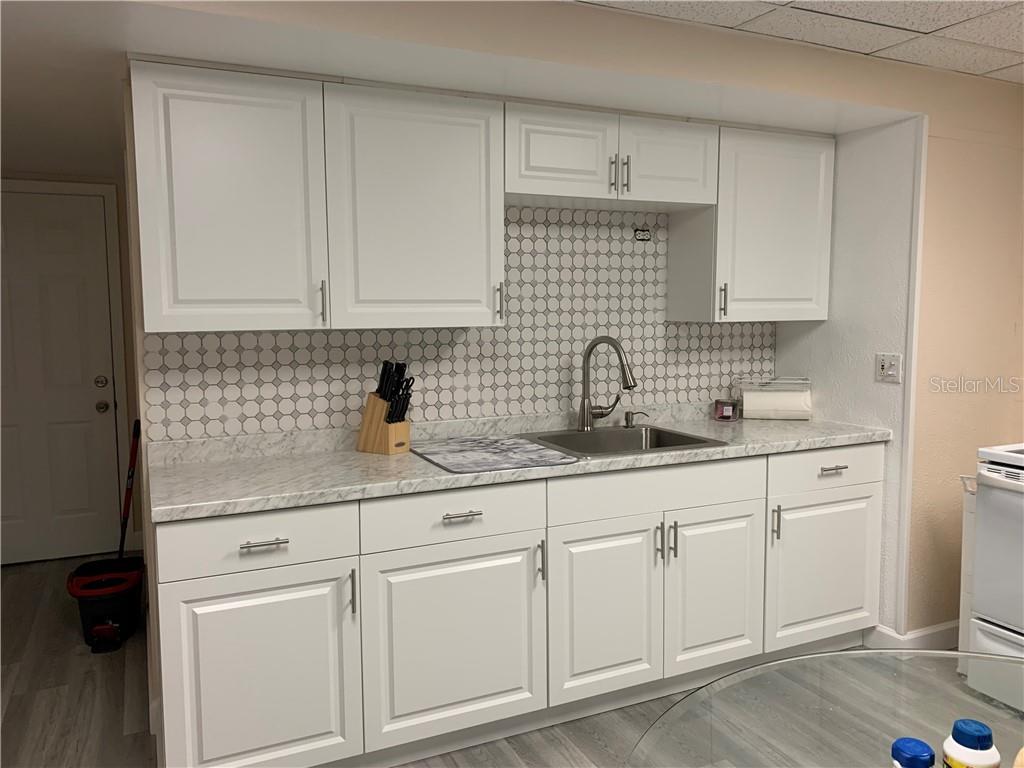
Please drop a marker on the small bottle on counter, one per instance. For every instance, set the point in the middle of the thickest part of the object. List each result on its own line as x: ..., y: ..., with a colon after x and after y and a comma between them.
x: 912, y: 753
x: 969, y: 746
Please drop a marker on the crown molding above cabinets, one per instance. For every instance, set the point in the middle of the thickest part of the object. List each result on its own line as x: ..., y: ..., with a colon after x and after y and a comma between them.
x: 277, y: 203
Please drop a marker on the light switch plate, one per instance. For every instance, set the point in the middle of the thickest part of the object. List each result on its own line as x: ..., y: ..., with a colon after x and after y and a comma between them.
x: 889, y: 367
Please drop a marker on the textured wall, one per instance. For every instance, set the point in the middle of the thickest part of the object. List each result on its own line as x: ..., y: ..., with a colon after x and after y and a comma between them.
x: 571, y: 275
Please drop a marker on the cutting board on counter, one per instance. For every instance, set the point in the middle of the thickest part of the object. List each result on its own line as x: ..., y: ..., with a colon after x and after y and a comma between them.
x: 462, y: 455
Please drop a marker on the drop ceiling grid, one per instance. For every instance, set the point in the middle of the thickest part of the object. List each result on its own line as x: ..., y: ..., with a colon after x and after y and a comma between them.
x: 977, y: 37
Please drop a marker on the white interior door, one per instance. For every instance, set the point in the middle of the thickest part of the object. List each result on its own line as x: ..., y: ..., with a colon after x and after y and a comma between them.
x: 714, y: 585
x: 60, y: 474
x: 416, y: 208
x: 774, y: 226
x: 668, y: 161
x: 262, y: 667
x: 822, y: 564
x: 606, y: 610
x: 453, y: 636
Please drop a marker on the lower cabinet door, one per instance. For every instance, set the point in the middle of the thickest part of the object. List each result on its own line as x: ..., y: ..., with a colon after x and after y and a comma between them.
x: 262, y: 667
x: 453, y: 636
x: 821, y: 575
x: 606, y: 608
x: 714, y: 585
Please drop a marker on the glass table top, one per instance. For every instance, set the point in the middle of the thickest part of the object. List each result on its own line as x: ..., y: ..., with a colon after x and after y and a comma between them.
x: 831, y: 710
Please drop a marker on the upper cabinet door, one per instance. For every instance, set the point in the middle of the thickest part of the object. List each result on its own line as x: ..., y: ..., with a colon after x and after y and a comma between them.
x: 416, y: 204
x: 232, y: 215
x: 668, y: 161
x: 567, y: 152
x: 774, y: 226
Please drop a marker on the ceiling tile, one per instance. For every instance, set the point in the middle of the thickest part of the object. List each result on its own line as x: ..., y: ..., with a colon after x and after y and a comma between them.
x: 1014, y: 74
x: 722, y: 14
x: 1002, y: 29
x: 917, y: 15
x: 941, y: 52
x: 833, y: 31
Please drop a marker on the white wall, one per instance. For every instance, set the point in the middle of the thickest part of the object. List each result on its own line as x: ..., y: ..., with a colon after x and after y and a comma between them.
x: 871, y: 309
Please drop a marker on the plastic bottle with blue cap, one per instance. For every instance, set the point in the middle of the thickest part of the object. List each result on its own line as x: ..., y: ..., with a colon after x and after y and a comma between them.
x: 970, y: 746
x: 912, y: 753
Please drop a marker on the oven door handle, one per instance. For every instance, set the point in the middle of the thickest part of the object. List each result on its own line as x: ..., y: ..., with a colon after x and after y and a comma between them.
x: 1000, y: 482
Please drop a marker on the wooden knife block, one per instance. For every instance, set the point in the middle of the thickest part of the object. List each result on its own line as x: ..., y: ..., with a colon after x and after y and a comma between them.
x: 376, y: 435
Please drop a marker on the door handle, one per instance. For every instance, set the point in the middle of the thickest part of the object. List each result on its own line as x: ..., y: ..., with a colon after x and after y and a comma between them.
x: 674, y: 547
x: 723, y: 305
x: 777, y: 522
x: 323, y: 301
x: 500, y: 288
x: 355, y: 590
x: 613, y: 172
x: 543, y: 569
x: 627, y: 174
x: 659, y: 541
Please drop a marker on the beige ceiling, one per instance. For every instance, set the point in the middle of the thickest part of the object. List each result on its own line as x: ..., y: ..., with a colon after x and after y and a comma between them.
x: 977, y: 37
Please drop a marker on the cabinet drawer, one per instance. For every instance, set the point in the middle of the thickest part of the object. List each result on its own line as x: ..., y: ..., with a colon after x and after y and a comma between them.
x: 658, y: 489
x: 398, y: 522
x: 825, y: 468
x: 195, y: 548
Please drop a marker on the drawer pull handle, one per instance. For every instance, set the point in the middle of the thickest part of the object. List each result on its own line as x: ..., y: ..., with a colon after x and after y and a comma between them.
x: 543, y: 569
x: 834, y: 468
x: 451, y: 517
x: 777, y: 522
x: 277, y: 542
x: 355, y: 590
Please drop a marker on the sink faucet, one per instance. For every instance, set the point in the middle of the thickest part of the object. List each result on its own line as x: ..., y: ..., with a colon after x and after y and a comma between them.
x: 589, y: 411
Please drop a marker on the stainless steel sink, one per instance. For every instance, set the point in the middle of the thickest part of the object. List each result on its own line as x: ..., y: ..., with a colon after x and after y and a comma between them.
x: 607, y: 441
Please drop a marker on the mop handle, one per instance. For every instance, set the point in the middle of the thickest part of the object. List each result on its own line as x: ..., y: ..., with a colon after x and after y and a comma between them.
x: 129, y: 484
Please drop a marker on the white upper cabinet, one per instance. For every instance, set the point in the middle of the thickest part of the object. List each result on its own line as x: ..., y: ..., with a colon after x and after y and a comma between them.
x: 667, y: 161
x: 565, y: 152
x: 763, y: 254
x: 230, y: 184
x: 415, y: 197
x: 605, y: 606
x: 774, y: 234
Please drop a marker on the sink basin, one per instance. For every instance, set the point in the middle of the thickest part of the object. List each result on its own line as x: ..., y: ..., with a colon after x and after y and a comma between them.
x: 607, y: 441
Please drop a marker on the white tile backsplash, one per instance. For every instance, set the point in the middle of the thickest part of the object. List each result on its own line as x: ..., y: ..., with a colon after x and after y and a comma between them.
x: 571, y: 275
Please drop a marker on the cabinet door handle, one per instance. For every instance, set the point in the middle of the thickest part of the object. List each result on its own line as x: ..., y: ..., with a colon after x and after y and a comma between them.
x: 613, y: 172
x: 659, y: 541
x: 500, y: 288
x: 323, y: 301
x: 674, y: 548
x: 276, y: 542
x: 543, y: 568
x: 777, y: 522
x: 627, y: 174
x: 723, y: 304
x: 355, y: 590
x: 834, y: 468
x: 449, y: 517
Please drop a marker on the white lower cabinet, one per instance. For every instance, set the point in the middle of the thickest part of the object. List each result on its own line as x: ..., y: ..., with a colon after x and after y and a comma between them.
x: 263, y: 667
x: 606, y: 608
x: 714, y: 585
x: 822, y: 566
x: 453, y: 636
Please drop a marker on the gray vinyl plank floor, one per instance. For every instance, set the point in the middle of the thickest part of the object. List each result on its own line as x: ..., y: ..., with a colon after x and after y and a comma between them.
x: 65, y: 707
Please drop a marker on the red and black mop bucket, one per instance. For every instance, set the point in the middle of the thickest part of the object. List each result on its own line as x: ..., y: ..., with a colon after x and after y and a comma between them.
x: 109, y: 592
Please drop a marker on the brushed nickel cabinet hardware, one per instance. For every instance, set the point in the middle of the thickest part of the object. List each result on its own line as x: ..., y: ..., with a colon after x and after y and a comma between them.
x: 777, y: 522
x: 627, y: 174
x: 276, y: 542
x: 355, y: 590
x: 500, y: 288
x: 543, y: 567
x: 834, y: 468
x: 613, y: 172
x: 323, y: 301
x: 674, y: 548
x: 449, y: 517
x: 659, y: 540
x: 723, y: 305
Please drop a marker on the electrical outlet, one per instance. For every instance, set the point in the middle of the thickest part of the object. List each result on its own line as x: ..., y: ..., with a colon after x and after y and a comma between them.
x: 889, y: 367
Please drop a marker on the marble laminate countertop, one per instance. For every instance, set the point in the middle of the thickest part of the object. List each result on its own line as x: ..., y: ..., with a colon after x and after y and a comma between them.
x: 202, y: 483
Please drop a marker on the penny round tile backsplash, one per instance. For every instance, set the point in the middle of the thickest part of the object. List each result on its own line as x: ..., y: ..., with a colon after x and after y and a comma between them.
x: 570, y: 275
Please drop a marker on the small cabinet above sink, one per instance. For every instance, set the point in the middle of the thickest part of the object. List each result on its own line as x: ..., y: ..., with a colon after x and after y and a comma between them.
x: 608, y: 441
